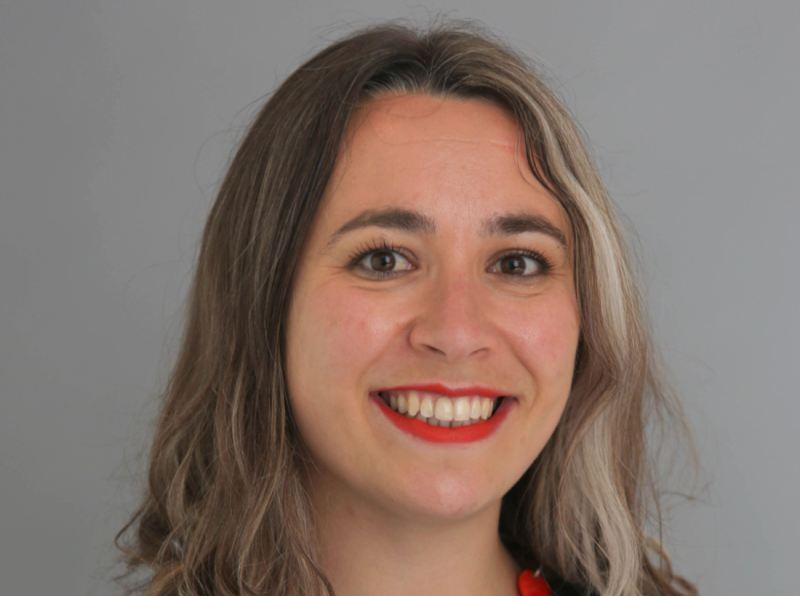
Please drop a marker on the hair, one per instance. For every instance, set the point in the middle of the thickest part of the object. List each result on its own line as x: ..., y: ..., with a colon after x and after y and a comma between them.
x: 224, y: 512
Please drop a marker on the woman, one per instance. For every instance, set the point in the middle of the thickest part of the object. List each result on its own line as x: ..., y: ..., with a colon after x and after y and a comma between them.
x: 415, y: 358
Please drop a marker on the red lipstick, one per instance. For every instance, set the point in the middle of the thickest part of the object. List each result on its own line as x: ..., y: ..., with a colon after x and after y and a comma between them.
x: 440, y: 389
x: 437, y: 434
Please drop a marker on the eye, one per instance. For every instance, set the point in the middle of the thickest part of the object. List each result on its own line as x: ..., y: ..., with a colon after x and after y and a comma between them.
x: 383, y: 260
x: 380, y: 261
x: 522, y: 264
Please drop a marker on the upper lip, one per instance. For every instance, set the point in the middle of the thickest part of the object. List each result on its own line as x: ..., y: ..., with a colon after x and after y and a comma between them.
x: 441, y: 389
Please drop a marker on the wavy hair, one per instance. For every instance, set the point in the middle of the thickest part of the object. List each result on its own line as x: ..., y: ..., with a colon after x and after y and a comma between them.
x: 224, y: 512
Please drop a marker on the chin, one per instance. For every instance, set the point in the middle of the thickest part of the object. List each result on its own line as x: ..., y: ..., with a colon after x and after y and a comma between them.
x: 446, y: 496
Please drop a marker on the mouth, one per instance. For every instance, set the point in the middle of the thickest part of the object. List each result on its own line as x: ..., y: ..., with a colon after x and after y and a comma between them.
x: 441, y: 418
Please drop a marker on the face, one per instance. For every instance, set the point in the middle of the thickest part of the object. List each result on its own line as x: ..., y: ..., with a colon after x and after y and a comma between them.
x: 434, y: 258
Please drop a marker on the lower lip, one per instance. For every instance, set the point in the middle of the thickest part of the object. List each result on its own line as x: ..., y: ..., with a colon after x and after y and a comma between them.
x: 438, y: 434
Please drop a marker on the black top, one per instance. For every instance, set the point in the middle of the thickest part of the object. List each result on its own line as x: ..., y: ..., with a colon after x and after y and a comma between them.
x: 563, y: 588
x: 559, y: 586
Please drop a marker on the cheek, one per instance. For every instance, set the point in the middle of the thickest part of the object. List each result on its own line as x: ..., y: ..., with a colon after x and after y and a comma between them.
x: 330, y: 342
x: 340, y: 333
x: 544, y: 335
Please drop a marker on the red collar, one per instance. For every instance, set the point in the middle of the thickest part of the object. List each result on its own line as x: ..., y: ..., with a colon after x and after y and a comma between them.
x: 532, y: 584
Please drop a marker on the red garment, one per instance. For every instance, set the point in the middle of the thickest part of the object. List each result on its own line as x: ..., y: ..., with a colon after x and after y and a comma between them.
x: 531, y: 584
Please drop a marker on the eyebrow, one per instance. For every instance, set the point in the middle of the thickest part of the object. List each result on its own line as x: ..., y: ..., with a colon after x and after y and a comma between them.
x: 407, y: 220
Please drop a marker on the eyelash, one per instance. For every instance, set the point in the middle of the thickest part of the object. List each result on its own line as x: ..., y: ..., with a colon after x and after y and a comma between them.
x: 365, y: 250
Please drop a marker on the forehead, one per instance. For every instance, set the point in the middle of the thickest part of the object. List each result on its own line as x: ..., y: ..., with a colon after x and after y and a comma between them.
x: 422, y: 118
x: 437, y: 155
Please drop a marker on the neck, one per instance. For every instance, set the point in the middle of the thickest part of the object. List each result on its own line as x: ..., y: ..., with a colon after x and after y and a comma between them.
x: 366, y: 549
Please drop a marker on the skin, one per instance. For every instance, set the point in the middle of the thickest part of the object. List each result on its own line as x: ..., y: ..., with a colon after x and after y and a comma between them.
x: 395, y: 514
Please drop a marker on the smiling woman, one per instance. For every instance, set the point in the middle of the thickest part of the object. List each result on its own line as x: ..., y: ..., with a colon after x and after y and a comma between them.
x: 415, y: 357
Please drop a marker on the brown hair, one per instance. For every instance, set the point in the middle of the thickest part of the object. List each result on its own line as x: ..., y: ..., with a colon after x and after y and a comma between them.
x: 224, y: 511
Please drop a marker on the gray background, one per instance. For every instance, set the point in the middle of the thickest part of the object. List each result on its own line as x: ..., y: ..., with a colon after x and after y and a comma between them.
x: 116, y: 121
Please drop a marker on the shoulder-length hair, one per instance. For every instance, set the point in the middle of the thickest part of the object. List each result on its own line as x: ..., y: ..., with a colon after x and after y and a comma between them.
x: 224, y: 511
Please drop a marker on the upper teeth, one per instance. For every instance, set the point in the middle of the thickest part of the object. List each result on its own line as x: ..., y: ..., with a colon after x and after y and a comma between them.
x: 438, y: 409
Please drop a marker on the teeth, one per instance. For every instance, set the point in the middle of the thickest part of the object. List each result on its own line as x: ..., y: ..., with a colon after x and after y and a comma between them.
x: 486, y: 408
x: 461, y: 408
x: 475, y: 410
x: 413, y: 403
x: 444, y: 410
x: 426, y: 406
x: 438, y: 410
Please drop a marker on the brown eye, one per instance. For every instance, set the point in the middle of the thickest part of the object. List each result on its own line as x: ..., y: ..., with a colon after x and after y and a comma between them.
x: 382, y: 261
x: 512, y: 265
x: 521, y: 265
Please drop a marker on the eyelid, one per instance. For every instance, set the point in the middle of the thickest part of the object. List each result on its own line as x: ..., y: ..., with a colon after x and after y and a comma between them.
x: 545, y: 265
x: 363, y: 251
x: 384, y: 273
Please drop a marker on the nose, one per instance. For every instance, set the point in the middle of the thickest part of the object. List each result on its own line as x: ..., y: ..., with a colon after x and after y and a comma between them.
x: 452, y: 321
